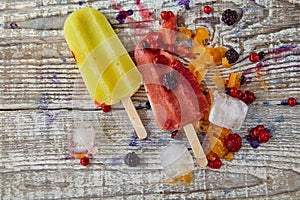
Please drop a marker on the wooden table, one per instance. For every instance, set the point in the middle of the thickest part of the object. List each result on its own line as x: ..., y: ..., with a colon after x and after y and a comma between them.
x: 43, y: 99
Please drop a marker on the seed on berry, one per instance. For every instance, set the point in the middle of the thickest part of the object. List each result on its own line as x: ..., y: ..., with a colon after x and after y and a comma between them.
x: 292, y: 101
x: 132, y: 159
x: 254, y: 57
x: 84, y: 161
x: 232, y: 55
x: 261, y: 55
x: 207, y: 9
x: 264, y: 136
x: 233, y: 142
x: 216, y: 164
x: 229, y: 17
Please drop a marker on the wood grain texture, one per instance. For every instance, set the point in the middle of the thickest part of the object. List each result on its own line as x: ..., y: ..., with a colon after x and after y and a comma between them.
x: 43, y: 98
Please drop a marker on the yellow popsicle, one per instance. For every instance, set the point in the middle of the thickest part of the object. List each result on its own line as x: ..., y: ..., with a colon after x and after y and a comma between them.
x: 107, y: 69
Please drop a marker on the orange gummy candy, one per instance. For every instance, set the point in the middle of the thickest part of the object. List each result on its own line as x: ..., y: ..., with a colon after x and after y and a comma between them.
x: 201, y: 36
x: 218, y: 54
x: 185, y: 33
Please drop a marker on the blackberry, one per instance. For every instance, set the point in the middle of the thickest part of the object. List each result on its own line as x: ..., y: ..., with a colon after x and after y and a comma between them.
x: 232, y: 56
x: 229, y: 17
x: 132, y: 159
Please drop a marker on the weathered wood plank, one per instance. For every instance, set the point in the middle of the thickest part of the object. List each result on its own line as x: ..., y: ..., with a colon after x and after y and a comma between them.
x: 43, y: 99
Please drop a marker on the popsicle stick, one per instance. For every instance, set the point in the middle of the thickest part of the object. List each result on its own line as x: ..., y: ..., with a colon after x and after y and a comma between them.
x: 134, y: 118
x: 195, y: 144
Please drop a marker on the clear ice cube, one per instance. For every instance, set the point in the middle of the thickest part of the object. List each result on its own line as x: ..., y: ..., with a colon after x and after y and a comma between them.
x: 176, y: 161
x: 82, y: 140
x: 227, y: 112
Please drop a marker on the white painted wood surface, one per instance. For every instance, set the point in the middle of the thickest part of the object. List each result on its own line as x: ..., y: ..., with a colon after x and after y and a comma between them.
x: 42, y: 98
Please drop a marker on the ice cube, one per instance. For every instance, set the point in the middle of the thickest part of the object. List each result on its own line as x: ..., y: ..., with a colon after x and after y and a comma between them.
x: 227, y: 112
x: 82, y: 140
x: 176, y: 161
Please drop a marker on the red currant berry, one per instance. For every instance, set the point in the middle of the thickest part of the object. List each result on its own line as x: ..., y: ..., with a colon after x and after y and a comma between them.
x: 84, y: 161
x: 105, y: 108
x: 239, y: 94
x: 207, y: 9
x: 292, y: 101
x: 254, y: 57
x: 216, y: 164
x: 160, y: 59
x: 260, y: 128
x: 233, y: 142
x: 264, y: 136
x: 233, y: 91
x: 255, y: 133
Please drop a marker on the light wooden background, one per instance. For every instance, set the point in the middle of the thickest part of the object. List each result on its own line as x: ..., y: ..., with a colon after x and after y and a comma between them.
x: 42, y: 100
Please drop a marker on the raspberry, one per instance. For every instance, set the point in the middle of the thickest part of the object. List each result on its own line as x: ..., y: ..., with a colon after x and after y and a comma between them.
x: 229, y: 17
x: 232, y: 56
x: 248, y: 97
x: 264, y: 136
x: 233, y: 142
x: 216, y: 164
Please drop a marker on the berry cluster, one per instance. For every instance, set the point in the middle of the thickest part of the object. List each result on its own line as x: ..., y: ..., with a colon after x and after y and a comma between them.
x: 247, y: 97
x: 258, y: 135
